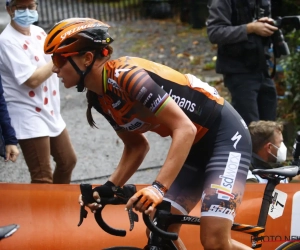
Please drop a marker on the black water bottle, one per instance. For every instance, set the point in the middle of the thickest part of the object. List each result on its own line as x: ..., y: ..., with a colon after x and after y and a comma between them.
x: 296, y: 150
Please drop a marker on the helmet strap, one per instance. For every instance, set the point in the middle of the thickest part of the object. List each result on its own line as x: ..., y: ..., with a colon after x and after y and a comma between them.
x: 82, y: 73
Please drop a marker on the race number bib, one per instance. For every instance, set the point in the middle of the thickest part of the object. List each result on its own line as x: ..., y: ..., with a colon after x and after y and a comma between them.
x: 278, y: 203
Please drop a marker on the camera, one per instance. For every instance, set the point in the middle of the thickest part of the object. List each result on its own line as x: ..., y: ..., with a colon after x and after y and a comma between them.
x: 289, y: 23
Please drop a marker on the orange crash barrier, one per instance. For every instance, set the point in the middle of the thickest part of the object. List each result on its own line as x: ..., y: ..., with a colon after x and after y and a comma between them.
x: 48, y: 216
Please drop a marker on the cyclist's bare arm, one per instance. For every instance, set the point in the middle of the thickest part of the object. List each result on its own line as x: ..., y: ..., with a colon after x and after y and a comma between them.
x: 135, y: 149
x: 183, y: 134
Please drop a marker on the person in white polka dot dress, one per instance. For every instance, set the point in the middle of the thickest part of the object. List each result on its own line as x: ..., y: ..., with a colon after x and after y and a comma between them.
x: 32, y: 94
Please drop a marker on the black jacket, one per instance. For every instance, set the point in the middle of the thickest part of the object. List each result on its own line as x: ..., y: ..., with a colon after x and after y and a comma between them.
x: 238, y: 52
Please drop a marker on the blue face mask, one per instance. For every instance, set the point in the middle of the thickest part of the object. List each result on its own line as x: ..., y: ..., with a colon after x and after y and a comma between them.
x: 25, y: 17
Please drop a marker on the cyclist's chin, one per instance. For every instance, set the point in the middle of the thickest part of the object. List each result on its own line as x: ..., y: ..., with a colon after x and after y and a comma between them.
x: 68, y: 84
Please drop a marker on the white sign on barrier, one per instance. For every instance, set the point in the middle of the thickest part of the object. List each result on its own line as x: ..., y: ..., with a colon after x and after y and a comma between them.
x: 295, y: 218
x: 278, y: 204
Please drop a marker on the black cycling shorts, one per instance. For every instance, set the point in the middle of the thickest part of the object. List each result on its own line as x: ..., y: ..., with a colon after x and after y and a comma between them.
x: 216, y: 169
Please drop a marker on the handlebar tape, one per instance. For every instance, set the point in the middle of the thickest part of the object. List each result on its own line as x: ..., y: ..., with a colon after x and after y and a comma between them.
x: 153, y: 228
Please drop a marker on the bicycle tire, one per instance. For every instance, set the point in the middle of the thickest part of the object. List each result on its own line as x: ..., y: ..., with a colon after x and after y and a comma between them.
x: 122, y: 248
x: 289, y: 245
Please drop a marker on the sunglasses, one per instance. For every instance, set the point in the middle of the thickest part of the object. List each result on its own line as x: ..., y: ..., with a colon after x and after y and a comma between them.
x: 59, y: 60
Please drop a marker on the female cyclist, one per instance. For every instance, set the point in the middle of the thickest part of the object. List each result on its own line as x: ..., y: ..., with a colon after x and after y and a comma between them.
x: 210, y: 151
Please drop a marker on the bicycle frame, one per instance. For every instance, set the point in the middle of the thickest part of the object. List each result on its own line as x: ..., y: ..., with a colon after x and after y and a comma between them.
x: 164, y: 219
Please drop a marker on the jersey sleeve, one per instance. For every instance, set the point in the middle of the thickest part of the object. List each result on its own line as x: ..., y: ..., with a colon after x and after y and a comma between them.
x: 141, y: 87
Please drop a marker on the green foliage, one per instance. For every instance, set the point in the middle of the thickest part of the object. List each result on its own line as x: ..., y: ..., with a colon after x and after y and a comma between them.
x: 288, y: 81
x: 288, y: 108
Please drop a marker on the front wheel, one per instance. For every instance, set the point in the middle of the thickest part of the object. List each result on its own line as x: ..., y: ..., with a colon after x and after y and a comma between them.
x: 289, y: 245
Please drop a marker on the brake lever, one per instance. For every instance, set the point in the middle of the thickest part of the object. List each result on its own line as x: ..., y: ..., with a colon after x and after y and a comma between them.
x: 87, y: 197
x: 133, y: 217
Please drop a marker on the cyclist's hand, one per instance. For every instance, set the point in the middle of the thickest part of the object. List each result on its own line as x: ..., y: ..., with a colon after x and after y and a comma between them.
x: 146, y: 199
x: 105, y: 190
x: 92, y: 206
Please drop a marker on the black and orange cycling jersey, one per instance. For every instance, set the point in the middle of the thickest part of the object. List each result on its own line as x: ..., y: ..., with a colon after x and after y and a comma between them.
x: 136, y: 90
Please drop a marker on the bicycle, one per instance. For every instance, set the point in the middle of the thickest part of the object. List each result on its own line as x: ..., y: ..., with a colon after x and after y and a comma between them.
x: 160, y: 239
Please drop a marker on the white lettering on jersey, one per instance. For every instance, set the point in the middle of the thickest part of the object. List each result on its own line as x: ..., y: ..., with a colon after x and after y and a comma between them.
x: 117, y: 72
x: 134, y: 125
x: 141, y: 93
x: 183, y: 103
x: 116, y: 104
x: 236, y: 138
x: 148, y: 98
x: 113, y: 83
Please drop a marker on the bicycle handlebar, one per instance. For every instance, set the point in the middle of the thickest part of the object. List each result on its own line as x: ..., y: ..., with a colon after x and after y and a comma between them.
x: 122, y: 195
x: 87, y: 197
x: 153, y: 228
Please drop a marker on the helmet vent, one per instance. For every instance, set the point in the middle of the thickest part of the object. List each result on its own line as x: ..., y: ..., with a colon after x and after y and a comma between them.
x: 53, y: 36
x: 50, y: 50
x: 68, y: 41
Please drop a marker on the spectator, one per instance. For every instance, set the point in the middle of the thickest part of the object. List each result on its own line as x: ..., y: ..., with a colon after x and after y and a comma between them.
x: 242, y: 56
x: 32, y: 95
x: 8, y: 140
x: 268, y: 149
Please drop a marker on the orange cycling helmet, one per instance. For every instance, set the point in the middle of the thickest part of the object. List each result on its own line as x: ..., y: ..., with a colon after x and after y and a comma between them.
x: 77, y: 34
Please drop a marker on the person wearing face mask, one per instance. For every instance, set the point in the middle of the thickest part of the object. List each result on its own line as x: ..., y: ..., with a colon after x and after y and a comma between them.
x: 268, y: 148
x: 32, y: 94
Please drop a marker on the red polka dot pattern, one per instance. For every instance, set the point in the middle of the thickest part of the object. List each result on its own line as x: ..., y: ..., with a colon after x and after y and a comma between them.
x: 31, y: 93
x: 45, y: 101
x: 37, y: 58
x: 45, y: 88
x: 25, y: 47
x: 37, y: 109
x: 38, y: 37
x: 54, y: 92
x: 51, y: 112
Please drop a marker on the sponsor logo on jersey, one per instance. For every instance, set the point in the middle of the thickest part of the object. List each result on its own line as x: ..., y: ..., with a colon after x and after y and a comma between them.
x: 116, y: 104
x: 224, y: 190
x: 148, y: 98
x: 156, y: 103
x: 113, y: 83
x: 135, y: 124
x: 141, y: 93
x: 117, y: 71
x: 182, y: 102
